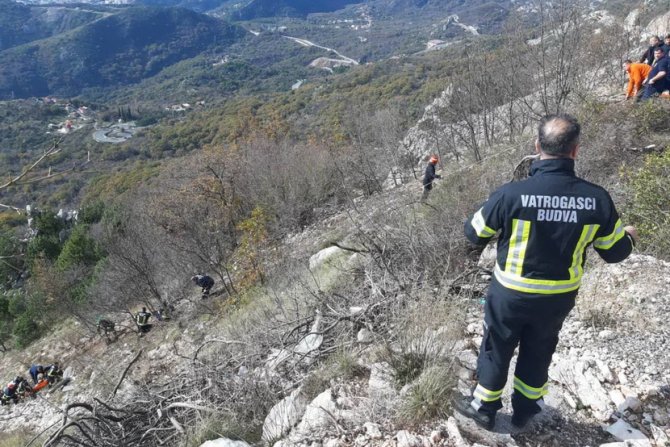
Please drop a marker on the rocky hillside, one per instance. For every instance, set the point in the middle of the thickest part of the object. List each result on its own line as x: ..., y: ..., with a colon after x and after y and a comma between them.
x: 608, y: 379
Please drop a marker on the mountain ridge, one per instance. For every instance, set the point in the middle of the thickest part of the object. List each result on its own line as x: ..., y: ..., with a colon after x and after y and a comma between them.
x: 118, y: 49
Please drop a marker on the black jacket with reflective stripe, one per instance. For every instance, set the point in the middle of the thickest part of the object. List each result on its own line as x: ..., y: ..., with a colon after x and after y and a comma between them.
x: 546, y: 222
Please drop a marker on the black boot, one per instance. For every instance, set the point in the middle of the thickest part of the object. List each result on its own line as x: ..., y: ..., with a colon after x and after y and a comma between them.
x: 485, y: 420
x: 520, y: 420
x: 524, y: 409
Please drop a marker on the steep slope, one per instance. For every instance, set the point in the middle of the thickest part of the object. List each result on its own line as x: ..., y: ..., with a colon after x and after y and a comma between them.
x: 119, y: 49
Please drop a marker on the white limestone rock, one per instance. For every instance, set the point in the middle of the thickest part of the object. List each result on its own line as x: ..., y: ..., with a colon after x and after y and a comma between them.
x: 406, y: 439
x: 372, y: 430
x: 365, y: 336
x: 324, y: 255
x: 631, y: 403
x: 617, y: 397
x: 455, y: 433
x: 224, y: 442
x: 381, y: 384
x: 284, y: 415
x: 575, y: 376
x: 625, y: 432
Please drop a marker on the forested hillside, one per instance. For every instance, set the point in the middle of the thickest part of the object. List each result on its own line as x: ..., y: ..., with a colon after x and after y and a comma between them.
x: 20, y: 23
x: 118, y: 49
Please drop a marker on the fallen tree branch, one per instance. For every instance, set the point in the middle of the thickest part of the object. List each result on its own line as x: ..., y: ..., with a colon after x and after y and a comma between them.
x: 123, y: 376
x: 49, y: 152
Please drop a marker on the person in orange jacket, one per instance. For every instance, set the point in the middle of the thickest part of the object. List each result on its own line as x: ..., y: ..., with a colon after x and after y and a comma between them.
x: 637, y: 73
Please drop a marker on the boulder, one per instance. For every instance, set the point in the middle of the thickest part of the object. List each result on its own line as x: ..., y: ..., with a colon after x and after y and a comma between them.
x: 372, y: 430
x: 617, y: 397
x: 575, y: 376
x: 380, y: 384
x: 224, y: 442
x: 320, y: 416
x: 631, y: 403
x: 625, y: 432
x: 321, y: 257
x: 406, y: 439
x: 284, y: 415
x: 364, y: 336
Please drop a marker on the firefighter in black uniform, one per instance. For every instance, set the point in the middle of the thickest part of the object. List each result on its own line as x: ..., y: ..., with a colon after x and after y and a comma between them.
x: 545, y: 222
x: 429, y: 177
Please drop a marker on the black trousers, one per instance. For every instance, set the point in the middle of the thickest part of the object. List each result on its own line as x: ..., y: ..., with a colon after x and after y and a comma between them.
x: 531, y: 322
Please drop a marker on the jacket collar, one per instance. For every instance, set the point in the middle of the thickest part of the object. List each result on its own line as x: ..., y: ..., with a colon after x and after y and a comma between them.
x: 553, y: 166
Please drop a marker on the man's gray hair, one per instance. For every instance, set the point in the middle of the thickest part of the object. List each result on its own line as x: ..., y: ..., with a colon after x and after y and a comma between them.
x: 558, y: 134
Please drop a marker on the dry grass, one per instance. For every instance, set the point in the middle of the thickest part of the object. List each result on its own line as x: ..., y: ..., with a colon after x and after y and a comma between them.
x: 429, y: 397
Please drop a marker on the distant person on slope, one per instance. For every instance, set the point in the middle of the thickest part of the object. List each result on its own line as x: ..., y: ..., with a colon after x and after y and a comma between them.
x: 9, y: 394
x: 657, y: 79
x: 23, y: 388
x: 545, y: 224
x: 666, y: 45
x: 637, y: 73
x: 648, y: 56
x: 54, y: 373
x: 142, y: 320
x: 204, y: 281
x: 429, y: 177
x: 35, y: 371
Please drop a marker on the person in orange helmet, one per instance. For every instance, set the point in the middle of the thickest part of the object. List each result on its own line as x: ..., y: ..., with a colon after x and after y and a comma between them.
x: 637, y: 73
x: 429, y: 176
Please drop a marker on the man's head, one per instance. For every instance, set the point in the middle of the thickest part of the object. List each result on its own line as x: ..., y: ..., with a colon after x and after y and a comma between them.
x: 433, y: 159
x: 654, y: 40
x: 144, y: 309
x: 626, y: 64
x: 558, y: 137
x: 658, y: 53
x: 667, y: 39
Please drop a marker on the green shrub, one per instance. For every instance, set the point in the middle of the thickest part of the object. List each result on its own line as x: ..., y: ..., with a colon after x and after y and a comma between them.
x: 46, y: 245
x: 78, y: 249
x: 92, y: 213
x: 26, y: 329
x: 649, y: 204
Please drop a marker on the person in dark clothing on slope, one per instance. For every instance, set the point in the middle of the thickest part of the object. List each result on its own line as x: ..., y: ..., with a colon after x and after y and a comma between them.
x: 545, y: 224
x: 54, y: 373
x: 429, y: 177
x: 9, y: 394
x: 142, y: 320
x: 648, y: 56
x: 34, y: 371
x: 657, y: 80
x: 666, y: 45
x: 204, y: 281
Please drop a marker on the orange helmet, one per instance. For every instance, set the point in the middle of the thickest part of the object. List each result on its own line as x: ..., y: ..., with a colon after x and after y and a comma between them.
x: 433, y: 159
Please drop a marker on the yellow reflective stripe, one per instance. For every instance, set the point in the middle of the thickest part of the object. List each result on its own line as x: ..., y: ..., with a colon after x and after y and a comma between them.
x: 541, y: 286
x: 529, y: 391
x: 517, y: 246
x: 479, y: 224
x: 485, y: 395
x: 588, y: 233
x: 606, y: 242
